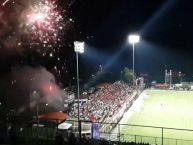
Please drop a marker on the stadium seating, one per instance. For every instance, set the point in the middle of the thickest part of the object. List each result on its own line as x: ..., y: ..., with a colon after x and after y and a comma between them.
x: 105, y: 103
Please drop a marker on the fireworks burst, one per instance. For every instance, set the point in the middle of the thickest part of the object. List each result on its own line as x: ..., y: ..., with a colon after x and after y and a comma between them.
x: 44, y: 21
x: 39, y: 26
x: 45, y: 25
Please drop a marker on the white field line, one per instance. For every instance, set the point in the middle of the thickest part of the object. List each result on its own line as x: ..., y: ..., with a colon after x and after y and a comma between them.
x: 137, y: 106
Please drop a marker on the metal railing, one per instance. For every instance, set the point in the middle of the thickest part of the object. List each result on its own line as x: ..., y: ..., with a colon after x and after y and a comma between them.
x: 113, y: 132
x: 139, y: 133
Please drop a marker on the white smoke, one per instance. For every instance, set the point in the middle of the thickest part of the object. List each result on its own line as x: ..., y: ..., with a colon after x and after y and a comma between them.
x: 41, y: 85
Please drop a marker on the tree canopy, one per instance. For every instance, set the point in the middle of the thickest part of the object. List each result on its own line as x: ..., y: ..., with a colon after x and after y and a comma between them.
x: 128, y: 75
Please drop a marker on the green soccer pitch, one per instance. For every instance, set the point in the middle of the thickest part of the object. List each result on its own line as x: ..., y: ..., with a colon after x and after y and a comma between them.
x: 161, y: 108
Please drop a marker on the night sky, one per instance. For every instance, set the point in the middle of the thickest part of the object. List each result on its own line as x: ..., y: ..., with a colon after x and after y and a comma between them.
x: 165, y: 27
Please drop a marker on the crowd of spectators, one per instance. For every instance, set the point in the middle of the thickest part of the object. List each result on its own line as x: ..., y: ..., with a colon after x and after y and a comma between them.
x: 103, y: 103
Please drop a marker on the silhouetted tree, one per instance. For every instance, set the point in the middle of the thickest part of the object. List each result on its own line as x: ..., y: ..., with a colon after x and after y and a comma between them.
x: 128, y: 75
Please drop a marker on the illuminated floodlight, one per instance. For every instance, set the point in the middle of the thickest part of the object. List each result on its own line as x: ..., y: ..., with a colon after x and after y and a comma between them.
x: 79, y: 47
x: 133, y: 39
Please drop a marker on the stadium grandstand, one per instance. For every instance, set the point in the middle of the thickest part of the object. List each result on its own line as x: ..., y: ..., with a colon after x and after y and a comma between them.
x: 105, y: 103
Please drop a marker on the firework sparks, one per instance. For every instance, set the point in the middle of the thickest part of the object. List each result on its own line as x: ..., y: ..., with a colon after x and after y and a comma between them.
x: 33, y: 25
x: 4, y: 3
x: 44, y: 22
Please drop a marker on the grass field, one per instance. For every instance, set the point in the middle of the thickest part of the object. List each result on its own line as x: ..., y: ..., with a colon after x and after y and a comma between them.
x: 162, y: 108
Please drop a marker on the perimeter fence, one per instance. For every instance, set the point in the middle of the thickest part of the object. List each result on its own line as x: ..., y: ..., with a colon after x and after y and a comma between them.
x: 134, y: 133
x: 107, y: 131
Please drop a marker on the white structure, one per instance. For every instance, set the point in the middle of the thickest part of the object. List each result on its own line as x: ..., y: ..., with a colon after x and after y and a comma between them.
x: 168, y: 77
x: 64, y: 125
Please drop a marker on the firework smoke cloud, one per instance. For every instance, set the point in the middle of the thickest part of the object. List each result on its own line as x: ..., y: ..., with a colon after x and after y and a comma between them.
x: 42, y: 82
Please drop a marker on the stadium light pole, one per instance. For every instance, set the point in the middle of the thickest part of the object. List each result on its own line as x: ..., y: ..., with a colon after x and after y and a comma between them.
x: 78, y: 48
x: 180, y: 74
x: 132, y: 40
x: 121, y: 75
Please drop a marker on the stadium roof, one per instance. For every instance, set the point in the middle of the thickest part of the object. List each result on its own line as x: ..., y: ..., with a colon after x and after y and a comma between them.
x: 54, y: 117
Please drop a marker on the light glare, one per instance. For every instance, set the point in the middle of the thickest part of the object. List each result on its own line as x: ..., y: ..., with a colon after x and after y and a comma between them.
x: 134, y: 38
x: 79, y: 47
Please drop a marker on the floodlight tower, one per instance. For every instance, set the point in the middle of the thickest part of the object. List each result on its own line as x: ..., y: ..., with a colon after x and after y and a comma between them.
x: 78, y: 48
x: 132, y: 40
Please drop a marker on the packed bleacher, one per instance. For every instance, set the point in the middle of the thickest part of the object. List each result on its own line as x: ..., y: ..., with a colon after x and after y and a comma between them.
x: 105, y: 103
